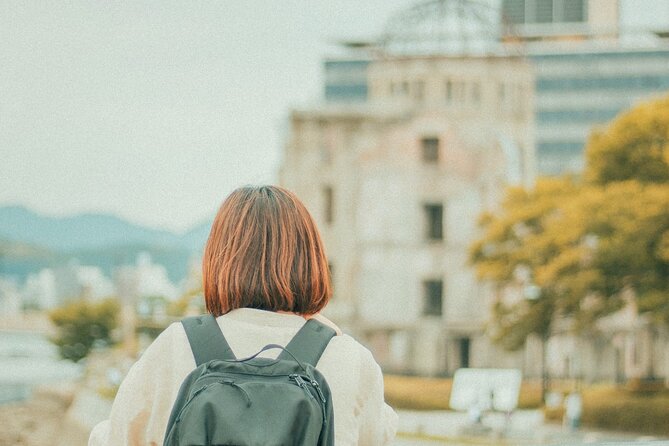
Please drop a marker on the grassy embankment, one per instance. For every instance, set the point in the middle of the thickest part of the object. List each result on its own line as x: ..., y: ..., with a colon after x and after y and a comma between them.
x: 604, y: 406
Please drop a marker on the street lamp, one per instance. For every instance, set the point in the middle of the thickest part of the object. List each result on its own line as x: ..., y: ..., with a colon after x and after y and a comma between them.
x: 532, y: 292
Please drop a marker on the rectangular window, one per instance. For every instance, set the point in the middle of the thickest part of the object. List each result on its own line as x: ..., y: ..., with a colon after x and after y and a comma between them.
x: 518, y: 99
x: 574, y: 11
x: 543, y: 10
x: 430, y: 147
x: 419, y: 90
x: 432, y: 297
x: 513, y: 11
x: 449, y: 92
x: 465, y: 345
x: 455, y: 91
x: 328, y: 204
x: 434, y: 218
x: 325, y: 142
x: 476, y: 93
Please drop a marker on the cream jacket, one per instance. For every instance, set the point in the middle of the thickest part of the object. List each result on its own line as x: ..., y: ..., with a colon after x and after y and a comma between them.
x: 142, y: 406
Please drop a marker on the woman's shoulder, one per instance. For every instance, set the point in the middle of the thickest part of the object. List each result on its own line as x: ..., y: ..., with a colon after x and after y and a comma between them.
x: 344, y: 352
x: 173, y: 334
x: 170, y: 345
x: 344, y: 344
x: 348, y: 343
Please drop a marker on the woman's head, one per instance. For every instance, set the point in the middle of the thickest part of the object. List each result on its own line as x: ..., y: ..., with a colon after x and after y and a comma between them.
x: 264, y: 251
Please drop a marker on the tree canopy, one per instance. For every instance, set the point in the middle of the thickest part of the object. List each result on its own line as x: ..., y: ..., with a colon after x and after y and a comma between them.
x: 80, y: 324
x: 634, y: 146
x: 581, y: 244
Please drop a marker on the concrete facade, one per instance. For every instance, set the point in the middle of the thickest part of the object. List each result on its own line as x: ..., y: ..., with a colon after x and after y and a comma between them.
x: 396, y: 185
x: 359, y: 162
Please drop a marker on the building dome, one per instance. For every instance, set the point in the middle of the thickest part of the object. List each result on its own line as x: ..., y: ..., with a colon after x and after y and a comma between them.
x: 447, y: 27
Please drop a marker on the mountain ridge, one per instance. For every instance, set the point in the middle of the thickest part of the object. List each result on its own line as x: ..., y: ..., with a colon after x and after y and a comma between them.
x: 90, y: 230
x: 30, y: 241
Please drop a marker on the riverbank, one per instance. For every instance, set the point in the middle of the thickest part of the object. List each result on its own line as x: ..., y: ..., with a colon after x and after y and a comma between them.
x: 58, y: 415
x: 29, y: 359
x: 37, y: 421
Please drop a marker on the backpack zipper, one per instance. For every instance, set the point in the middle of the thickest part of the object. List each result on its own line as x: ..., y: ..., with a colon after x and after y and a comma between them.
x: 206, y: 386
x: 231, y: 383
x: 305, y: 378
x: 302, y: 381
x: 316, y: 386
x: 183, y: 409
x: 192, y: 397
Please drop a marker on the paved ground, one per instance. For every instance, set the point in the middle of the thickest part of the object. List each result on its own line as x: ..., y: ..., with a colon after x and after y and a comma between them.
x: 523, y: 428
x: 414, y: 442
x: 53, y: 418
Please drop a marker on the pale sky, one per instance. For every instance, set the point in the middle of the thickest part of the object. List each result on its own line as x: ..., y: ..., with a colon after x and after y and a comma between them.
x: 156, y: 110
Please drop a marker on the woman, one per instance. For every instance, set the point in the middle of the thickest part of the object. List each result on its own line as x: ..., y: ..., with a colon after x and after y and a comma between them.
x: 264, y: 273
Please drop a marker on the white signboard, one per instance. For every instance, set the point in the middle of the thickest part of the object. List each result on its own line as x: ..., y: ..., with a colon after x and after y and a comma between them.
x: 486, y: 389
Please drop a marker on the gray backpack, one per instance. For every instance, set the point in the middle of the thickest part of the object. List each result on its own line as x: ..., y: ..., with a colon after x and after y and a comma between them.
x: 254, y: 401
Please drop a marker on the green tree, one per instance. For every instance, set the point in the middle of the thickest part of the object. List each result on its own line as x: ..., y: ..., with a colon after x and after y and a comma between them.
x: 193, y: 297
x: 585, y: 245
x: 513, y: 242
x: 634, y: 146
x: 80, y: 324
x: 190, y: 300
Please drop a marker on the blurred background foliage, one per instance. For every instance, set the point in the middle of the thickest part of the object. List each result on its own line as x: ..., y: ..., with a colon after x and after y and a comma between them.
x: 635, y: 146
x: 83, y: 324
x: 586, y: 246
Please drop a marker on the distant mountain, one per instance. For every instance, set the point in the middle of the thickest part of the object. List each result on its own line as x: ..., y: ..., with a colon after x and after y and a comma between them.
x: 196, y: 237
x: 88, y: 231
x: 85, y: 231
x: 30, y: 242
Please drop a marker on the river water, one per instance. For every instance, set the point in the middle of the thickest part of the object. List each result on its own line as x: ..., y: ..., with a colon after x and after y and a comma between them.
x: 28, y: 360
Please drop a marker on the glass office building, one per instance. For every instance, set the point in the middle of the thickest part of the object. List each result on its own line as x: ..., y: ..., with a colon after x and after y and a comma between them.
x: 587, y: 71
x: 579, y: 91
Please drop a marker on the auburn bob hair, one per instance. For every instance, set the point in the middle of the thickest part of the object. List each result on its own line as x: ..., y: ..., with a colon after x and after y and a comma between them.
x: 264, y: 251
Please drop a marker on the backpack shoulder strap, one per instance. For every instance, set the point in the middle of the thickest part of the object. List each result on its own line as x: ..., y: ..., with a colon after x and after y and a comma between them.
x: 310, y: 342
x: 206, y: 339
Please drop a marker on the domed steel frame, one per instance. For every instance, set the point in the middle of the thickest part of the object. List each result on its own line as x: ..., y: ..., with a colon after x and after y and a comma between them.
x: 448, y: 27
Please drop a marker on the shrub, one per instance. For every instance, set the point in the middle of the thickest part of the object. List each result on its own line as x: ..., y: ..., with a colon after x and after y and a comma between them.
x: 645, y: 385
x: 530, y: 395
x: 81, y: 324
x: 415, y: 393
x: 607, y: 407
x: 404, y: 392
x: 554, y: 414
x: 604, y: 406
